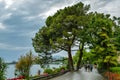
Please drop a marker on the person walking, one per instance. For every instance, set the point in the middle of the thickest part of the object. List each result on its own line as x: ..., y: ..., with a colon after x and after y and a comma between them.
x: 95, y: 65
x: 91, y: 67
x: 85, y: 66
x: 38, y: 73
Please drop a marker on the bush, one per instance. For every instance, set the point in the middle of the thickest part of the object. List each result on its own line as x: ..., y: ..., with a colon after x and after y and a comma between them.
x: 49, y: 71
x: 63, y: 67
x: 115, y: 69
x: 56, y: 70
x: 3, y: 68
x: 23, y: 65
x: 118, y: 65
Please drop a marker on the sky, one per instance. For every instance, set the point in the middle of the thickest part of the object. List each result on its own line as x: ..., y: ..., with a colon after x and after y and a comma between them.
x: 21, y: 19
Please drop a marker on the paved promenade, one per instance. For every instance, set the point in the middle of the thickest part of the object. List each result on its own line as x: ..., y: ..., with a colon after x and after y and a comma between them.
x: 80, y: 75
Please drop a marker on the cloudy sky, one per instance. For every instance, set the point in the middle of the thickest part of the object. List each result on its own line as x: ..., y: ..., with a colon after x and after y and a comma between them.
x: 21, y: 19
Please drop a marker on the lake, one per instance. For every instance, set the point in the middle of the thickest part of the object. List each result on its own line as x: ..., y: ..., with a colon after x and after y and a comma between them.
x: 33, y: 71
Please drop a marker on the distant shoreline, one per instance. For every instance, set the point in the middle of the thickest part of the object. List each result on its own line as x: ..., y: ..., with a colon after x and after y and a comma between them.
x: 11, y: 63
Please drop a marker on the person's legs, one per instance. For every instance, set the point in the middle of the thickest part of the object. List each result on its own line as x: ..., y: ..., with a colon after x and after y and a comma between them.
x: 88, y: 68
x: 85, y: 67
x: 91, y: 68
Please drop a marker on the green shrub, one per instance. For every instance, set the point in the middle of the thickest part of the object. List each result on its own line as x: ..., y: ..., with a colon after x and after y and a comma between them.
x: 115, y: 69
x: 3, y: 68
x: 118, y: 65
x: 24, y: 64
x: 56, y: 70
x: 63, y: 67
x: 49, y: 71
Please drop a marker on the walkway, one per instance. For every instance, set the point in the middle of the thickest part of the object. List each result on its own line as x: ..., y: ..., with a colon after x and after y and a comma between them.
x: 80, y: 75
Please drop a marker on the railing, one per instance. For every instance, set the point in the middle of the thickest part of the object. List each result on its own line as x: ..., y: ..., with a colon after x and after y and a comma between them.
x: 49, y: 76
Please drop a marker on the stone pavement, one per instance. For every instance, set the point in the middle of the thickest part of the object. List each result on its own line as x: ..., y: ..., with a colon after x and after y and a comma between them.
x: 80, y: 75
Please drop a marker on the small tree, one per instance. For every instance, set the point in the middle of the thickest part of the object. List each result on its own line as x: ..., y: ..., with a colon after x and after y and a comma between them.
x: 3, y: 68
x: 24, y: 64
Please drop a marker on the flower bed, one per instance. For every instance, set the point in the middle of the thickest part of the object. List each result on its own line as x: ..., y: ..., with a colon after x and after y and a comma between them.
x: 49, y: 76
x: 18, y: 78
x: 112, y: 76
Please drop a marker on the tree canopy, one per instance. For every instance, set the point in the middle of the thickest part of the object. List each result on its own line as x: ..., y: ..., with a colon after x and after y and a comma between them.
x: 74, y: 26
x: 61, y: 30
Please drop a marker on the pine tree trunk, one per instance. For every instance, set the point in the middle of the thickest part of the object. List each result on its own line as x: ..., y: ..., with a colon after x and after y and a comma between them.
x: 80, y: 56
x: 70, y: 60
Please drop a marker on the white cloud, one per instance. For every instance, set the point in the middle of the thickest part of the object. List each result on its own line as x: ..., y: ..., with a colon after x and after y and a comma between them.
x: 101, y: 6
x: 57, y: 6
x: 29, y: 18
x: 105, y: 6
x: 28, y: 34
x: 113, y: 8
x: 5, y: 16
x: 8, y: 3
x: 4, y: 46
x: 50, y: 12
x: 2, y: 27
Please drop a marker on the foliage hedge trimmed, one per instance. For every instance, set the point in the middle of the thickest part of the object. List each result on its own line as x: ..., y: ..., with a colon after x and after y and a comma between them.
x: 115, y: 69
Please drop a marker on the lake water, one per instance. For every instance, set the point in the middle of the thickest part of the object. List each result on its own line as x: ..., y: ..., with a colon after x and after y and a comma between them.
x: 34, y: 69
